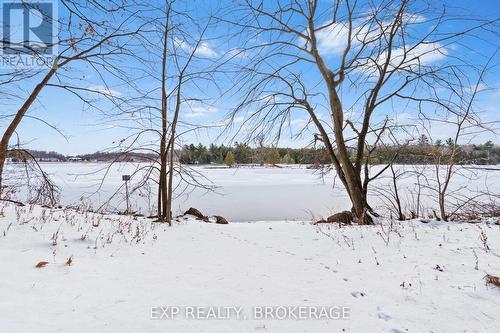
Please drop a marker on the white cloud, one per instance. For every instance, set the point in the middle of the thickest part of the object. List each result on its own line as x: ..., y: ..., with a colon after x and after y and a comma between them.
x: 407, y: 58
x: 413, y: 18
x: 103, y: 90
x: 238, y: 53
x: 199, y: 111
x: 203, y: 49
x: 333, y: 39
x: 425, y: 53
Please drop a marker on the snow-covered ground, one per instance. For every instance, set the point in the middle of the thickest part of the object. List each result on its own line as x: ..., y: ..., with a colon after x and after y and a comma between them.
x: 251, y: 193
x: 411, y: 277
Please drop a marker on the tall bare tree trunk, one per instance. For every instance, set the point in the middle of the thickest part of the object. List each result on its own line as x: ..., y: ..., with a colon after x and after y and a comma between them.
x: 162, y: 183
x: 172, y: 149
x: 351, y: 176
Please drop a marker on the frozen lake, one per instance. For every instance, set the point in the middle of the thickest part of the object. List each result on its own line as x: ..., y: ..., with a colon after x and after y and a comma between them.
x: 245, y: 193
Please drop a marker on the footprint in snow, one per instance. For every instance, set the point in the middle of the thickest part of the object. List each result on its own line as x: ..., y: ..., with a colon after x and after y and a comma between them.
x: 384, y: 316
x: 358, y: 294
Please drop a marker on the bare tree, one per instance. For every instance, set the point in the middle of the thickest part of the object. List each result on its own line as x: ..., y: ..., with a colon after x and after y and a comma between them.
x: 163, y: 196
x: 340, y: 58
x: 85, y: 41
x: 466, y: 122
x: 182, y: 76
x: 174, y: 72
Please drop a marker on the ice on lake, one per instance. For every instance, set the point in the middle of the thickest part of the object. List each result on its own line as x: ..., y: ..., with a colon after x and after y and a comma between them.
x: 244, y: 193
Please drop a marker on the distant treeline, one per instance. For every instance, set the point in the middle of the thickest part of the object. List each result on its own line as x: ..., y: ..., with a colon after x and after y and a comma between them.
x: 241, y: 153
x: 20, y: 155
x: 52, y: 156
x: 425, y: 153
x: 419, y: 153
x: 422, y: 152
x: 116, y: 156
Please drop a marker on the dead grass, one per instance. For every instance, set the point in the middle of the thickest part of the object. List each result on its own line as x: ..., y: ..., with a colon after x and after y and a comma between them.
x: 492, y: 279
x: 41, y: 264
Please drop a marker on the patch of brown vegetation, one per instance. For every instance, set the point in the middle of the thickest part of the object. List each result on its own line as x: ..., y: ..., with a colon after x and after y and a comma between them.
x: 492, y: 279
x: 41, y: 264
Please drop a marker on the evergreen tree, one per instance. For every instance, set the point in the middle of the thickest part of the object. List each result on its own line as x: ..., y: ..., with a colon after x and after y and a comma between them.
x: 230, y: 161
x: 274, y: 157
x: 287, y: 159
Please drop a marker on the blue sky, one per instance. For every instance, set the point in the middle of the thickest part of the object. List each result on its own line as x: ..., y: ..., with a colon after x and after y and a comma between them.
x: 88, y: 131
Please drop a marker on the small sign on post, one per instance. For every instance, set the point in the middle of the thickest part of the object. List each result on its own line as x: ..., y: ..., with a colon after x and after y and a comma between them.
x: 126, y: 178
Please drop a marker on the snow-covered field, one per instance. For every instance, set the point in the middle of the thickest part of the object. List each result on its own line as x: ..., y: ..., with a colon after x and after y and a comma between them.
x: 248, y: 193
x: 408, y: 277
x: 279, y: 274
